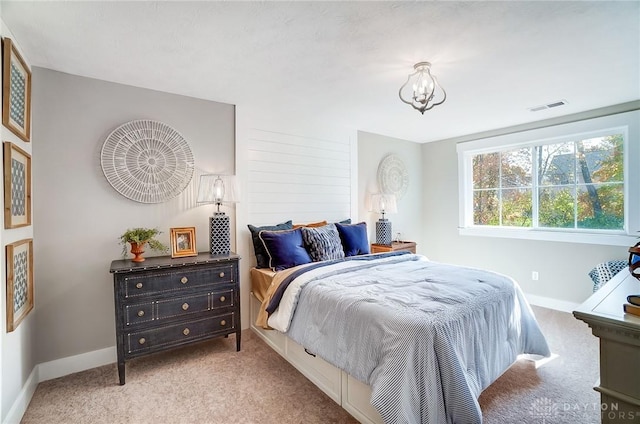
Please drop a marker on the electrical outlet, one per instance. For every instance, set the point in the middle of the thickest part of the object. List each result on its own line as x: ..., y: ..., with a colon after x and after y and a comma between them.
x: 534, y: 275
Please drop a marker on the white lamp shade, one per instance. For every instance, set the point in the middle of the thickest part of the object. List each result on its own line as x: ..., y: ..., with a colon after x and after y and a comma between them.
x: 383, y: 203
x: 212, y: 186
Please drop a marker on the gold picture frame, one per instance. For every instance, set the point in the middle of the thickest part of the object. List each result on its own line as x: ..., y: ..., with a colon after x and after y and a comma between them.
x: 19, y: 282
x: 17, y: 186
x: 183, y: 242
x: 16, y: 91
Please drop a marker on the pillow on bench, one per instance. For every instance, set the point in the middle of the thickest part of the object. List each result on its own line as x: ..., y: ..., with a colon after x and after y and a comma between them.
x: 605, y: 271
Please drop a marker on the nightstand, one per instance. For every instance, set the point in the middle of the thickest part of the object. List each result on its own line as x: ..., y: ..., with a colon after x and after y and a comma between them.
x: 164, y: 303
x: 409, y: 246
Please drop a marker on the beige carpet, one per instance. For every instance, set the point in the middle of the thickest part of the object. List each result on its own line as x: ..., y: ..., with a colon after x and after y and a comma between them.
x: 212, y: 383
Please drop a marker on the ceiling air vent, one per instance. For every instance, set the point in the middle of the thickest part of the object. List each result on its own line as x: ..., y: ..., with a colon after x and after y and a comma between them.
x: 548, y: 106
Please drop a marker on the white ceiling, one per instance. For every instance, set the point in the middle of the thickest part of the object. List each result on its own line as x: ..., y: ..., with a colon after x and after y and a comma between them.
x: 343, y: 62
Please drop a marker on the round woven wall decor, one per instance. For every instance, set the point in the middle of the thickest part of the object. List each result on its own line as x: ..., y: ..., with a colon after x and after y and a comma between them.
x: 393, y: 177
x: 147, y: 161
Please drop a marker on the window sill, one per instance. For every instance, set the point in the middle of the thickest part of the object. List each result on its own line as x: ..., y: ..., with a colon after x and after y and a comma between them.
x: 560, y: 236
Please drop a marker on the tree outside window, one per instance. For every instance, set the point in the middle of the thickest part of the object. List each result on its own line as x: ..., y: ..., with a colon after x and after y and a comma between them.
x: 571, y: 185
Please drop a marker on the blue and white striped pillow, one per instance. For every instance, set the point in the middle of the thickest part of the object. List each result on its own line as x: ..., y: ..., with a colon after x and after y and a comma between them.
x: 323, y: 243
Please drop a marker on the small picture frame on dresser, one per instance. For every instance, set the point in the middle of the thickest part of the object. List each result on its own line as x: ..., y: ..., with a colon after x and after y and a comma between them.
x: 183, y: 242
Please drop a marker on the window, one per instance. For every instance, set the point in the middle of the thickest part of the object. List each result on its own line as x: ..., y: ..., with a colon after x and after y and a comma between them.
x: 571, y: 187
x: 502, y: 188
x: 578, y: 184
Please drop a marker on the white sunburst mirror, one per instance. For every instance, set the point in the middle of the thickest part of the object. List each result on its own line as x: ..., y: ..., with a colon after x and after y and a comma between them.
x: 147, y: 161
x: 393, y: 177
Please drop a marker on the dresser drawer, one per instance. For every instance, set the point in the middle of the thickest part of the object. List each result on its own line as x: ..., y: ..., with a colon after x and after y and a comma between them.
x: 177, y: 334
x: 222, y: 299
x: 177, y: 307
x: 140, y: 313
x: 147, y: 284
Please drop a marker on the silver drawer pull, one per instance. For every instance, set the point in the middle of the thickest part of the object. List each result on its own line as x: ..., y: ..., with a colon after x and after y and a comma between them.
x: 222, y: 298
x: 185, y: 306
x: 184, y: 280
x: 142, y: 341
x: 139, y: 285
x: 223, y: 322
x: 222, y: 275
x: 140, y: 313
x: 186, y: 331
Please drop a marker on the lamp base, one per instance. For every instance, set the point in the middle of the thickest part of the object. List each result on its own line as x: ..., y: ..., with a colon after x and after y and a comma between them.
x: 220, y: 234
x: 383, y: 232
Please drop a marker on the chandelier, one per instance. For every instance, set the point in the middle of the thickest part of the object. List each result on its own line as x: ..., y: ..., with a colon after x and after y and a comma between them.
x: 427, y: 93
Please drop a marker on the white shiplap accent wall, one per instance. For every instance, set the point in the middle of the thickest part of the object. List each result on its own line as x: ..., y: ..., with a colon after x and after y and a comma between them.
x: 296, y: 177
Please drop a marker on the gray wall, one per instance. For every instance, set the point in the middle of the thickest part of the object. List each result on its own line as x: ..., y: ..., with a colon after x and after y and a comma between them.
x: 563, y: 267
x: 372, y: 148
x: 78, y: 216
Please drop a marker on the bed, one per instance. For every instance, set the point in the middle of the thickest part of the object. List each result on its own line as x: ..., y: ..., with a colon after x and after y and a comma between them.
x: 394, y: 337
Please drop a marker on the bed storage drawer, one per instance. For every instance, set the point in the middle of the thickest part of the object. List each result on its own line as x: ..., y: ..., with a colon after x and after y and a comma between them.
x: 320, y: 372
x: 356, y: 399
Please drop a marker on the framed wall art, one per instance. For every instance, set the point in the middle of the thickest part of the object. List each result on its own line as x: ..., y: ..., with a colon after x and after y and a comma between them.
x: 16, y: 91
x: 19, y: 282
x: 17, y: 186
x: 183, y: 242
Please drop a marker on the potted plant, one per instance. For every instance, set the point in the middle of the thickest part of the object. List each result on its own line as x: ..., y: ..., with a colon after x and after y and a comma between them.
x: 138, y: 238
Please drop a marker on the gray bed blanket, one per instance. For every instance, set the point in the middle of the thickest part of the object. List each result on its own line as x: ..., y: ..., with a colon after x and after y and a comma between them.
x: 427, y: 337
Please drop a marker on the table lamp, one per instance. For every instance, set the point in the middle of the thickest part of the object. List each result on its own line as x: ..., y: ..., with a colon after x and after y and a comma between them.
x: 218, y: 189
x: 383, y: 203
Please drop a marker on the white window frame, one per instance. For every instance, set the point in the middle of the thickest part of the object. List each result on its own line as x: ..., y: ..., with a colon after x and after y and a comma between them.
x: 627, y: 123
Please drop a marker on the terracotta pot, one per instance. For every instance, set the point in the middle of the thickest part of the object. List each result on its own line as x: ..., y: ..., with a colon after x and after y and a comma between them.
x: 137, y: 249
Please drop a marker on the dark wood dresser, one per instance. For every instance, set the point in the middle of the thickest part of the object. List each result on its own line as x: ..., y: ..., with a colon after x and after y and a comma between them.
x: 163, y: 303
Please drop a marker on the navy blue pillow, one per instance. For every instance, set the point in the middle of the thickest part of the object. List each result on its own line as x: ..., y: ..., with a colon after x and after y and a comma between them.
x: 354, y: 238
x: 284, y: 248
x: 262, y: 259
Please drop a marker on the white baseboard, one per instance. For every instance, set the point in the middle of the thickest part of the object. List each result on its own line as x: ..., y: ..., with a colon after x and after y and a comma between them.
x: 76, y: 363
x: 19, y: 407
x: 548, y: 302
x: 54, y: 369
